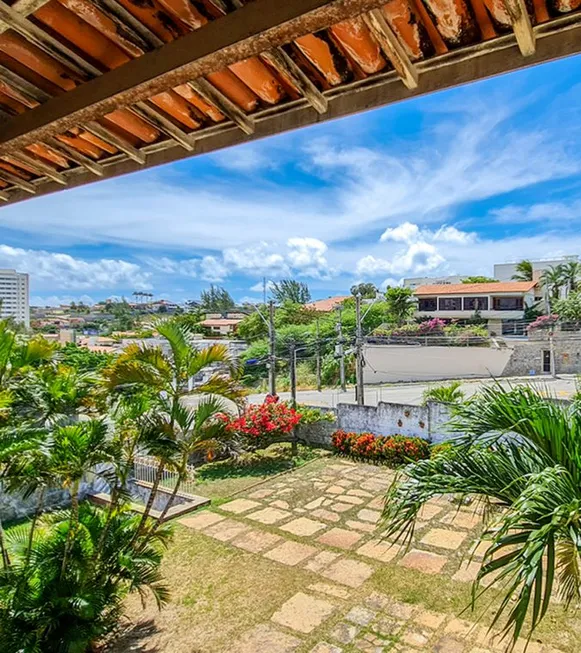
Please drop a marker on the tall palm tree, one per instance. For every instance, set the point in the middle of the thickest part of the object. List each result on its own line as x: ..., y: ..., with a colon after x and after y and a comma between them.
x: 524, y: 271
x: 174, y: 429
x: 553, y: 280
x: 521, y: 452
x: 571, y: 273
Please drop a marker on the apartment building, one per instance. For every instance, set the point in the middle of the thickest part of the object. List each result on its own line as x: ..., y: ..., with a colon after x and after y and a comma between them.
x: 505, y: 271
x: 14, y: 296
x: 502, y: 304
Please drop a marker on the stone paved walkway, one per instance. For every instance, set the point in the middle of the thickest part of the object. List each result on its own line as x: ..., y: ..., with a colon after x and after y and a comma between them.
x: 324, y: 520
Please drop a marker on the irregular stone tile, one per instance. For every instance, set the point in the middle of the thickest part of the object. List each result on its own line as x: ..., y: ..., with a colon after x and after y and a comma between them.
x: 321, y: 560
x: 256, y: 541
x: 369, y: 643
x: 303, y: 613
x: 467, y: 572
x: 443, y: 539
x: 462, y: 519
x: 322, y: 513
x: 399, y: 610
x: 459, y: 627
x: 345, y: 633
x: 324, y: 647
x: 284, y: 492
x: 429, y: 511
x: 261, y: 494
x: 291, y: 553
x: 201, y: 520
x: 429, y: 619
x: 342, y: 467
x: 280, y: 504
x: 238, y: 506
x: 335, y: 489
x: 301, y: 511
x: 340, y: 507
x: 374, y: 486
x: 377, y: 601
x: 377, y: 503
x: 380, y: 550
x: 330, y: 590
x: 372, y: 516
x: 356, y: 492
x: 265, y: 637
x: 269, y: 515
x: 428, y: 563
x: 387, y: 626
x: 316, y: 503
x: 360, y: 615
x: 360, y: 526
x: 415, y: 638
x: 479, y: 550
x: 449, y: 645
x: 348, y: 572
x: 303, y: 527
x: 356, y: 501
x: 226, y: 530
x: 340, y: 538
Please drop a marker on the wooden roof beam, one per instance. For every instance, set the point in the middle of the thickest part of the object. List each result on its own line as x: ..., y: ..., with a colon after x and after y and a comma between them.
x: 165, y: 125
x: 74, y: 155
x: 48, y: 44
x: 118, y: 142
x: 522, y: 26
x: 41, y: 169
x: 24, y: 8
x: 284, y: 64
x: 212, y: 95
x: 257, y: 27
x: 16, y: 181
x: 4, y: 197
x: 392, y: 47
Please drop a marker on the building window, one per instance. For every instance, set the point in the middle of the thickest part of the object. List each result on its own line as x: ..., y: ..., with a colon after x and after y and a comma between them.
x: 546, y: 361
x: 428, y: 304
x: 508, y: 303
x: 475, y: 303
x: 450, y: 303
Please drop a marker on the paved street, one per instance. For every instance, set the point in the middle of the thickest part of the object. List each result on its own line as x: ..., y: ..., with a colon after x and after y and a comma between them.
x: 411, y: 393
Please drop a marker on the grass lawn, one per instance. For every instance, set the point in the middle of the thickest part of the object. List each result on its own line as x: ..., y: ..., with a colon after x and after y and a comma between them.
x: 222, y: 479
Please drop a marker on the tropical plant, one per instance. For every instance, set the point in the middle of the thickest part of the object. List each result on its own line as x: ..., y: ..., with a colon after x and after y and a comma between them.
x: 519, y: 452
x: 552, y: 279
x: 392, y: 450
x: 400, y: 304
x: 216, y: 300
x: 479, y: 279
x: 571, y: 273
x: 569, y: 309
x: 523, y: 271
x: 366, y: 290
x: 447, y: 393
x: 290, y: 290
x: 176, y: 429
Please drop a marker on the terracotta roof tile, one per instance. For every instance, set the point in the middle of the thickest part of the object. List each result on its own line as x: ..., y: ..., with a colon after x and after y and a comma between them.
x: 476, y: 288
x: 327, y: 305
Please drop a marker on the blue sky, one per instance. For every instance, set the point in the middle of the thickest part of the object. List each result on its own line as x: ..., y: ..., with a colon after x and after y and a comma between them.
x: 449, y: 183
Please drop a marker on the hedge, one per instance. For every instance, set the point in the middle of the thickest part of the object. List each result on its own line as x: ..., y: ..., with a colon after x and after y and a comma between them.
x: 391, y: 450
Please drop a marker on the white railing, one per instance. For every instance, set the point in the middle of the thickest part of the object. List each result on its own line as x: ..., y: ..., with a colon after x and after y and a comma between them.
x: 145, y: 469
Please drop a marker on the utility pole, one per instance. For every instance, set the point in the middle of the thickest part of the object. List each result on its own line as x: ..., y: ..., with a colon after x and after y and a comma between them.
x: 293, y: 389
x: 272, y: 355
x: 359, y: 352
x: 341, y: 350
x: 264, y: 290
x: 319, y: 385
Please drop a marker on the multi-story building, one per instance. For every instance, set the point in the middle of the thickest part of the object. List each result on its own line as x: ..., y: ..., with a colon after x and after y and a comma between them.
x: 14, y: 296
x: 416, y: 282
x: 505, y: 271
x: 502, y: 304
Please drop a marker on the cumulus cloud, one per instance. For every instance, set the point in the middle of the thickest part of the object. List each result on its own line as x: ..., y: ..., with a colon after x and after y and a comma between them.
x: 259, y: 258
x: 307, y: 257
x: 62, y: 271
x: 404, y: 232
x: 212, y: 269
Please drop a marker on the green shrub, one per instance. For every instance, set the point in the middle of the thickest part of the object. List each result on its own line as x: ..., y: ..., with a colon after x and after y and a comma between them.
x: 444, y: 394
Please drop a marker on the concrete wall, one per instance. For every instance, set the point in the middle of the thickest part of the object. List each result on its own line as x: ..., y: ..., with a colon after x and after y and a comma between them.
x: 390, y: 363
x: 527, y: 357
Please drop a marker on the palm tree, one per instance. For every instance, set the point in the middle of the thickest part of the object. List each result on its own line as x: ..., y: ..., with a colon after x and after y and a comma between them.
x: 524, y: 271
x: 520, y: 452
x: 571, y: 272
x: 553, y: 280
x: 172, y: 430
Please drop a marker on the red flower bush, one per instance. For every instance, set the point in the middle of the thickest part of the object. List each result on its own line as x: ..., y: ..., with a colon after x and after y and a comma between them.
x: 390, y: 450
x: 263, y: 422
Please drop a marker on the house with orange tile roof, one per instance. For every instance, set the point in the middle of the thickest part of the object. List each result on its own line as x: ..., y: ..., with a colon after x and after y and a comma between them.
x: 502, y: 303
x: 327, y: 305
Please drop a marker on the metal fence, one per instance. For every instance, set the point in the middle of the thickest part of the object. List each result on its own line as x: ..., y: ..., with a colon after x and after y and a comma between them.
x: 145, y: 469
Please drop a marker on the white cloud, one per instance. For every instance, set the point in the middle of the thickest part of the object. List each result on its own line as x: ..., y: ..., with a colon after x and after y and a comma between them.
x: 211, y: 269
x: 57, y: 300
x: 450, y: 234
x: 55, y: 270
x: 405, y: 232
x: 244, y: 158
x: 258, y: 258
x: 541, y: 212
x: 307, y: 256
x: 259, y: 287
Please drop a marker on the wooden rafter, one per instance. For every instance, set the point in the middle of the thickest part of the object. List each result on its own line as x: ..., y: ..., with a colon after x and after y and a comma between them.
x: 74, y: 155
x: 212, y: 95
x: 522, y: 26
x: 40, y: 168
x: 16, y: 181
x: 4, y: 197
x: 118, y: 142
x: 284, y: 64
x: 257, y: 27
x: 24, y: 8
x: 157, y: 119
x: 392, y: 48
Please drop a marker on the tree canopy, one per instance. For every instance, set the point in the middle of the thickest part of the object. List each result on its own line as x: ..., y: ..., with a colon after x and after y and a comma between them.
x: 479, y: 279
x: 216, y: 300
x: 524, y: 271
x: 366, y: 290
x: 290, y: 290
